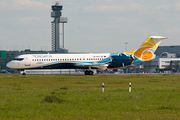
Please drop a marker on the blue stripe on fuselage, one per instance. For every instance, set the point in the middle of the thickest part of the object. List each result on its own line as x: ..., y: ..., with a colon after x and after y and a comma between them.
x: 106, y: 60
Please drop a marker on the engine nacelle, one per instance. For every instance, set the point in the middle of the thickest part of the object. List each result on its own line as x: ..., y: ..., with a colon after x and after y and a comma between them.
x: 121, y: 60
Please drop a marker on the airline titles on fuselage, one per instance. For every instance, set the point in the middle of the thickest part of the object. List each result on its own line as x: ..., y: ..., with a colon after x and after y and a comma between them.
x: 42, y: 56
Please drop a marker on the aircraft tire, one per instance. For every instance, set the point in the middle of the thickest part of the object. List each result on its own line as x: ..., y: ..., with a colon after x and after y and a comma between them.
x: 23, y: 73
x: 88, y: 72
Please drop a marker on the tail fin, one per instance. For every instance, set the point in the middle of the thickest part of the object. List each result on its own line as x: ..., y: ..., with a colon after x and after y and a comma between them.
x: 147, y: 49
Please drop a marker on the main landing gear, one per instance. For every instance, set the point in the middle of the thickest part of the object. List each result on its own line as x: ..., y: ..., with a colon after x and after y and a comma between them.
x: 88, y: 72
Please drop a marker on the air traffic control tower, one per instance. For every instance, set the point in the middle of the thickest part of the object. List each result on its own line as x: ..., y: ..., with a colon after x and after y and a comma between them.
x: 56, y: 14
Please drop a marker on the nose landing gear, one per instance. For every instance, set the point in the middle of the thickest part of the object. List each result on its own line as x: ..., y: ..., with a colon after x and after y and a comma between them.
x: 23, y: 72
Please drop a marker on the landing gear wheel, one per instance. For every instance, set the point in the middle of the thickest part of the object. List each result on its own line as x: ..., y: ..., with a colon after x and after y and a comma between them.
x: 24, y: 73
x: 88, y: 72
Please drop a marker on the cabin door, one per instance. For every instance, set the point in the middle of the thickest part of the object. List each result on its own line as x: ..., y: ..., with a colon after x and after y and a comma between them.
x: 27, y: 61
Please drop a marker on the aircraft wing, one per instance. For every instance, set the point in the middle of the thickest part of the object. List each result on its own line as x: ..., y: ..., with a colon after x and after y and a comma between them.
x: 100, y: 66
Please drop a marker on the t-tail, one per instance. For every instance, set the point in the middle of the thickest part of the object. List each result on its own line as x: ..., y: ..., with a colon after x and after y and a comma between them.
x: 146, y: 50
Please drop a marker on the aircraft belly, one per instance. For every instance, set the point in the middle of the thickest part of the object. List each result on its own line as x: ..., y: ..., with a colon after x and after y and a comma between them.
x: 119, y: 64
x: 56, y: 66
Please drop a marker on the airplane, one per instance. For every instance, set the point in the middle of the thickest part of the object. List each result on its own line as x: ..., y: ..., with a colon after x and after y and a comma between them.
x: 100, y: 61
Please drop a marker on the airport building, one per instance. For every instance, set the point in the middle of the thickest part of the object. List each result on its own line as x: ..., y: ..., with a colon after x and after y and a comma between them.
x: 167, y: 61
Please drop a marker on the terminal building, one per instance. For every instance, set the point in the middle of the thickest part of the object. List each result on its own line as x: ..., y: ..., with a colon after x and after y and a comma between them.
x: 167, y: 61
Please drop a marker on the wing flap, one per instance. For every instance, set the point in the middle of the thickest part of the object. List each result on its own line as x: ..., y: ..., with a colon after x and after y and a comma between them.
x: 101, y: 67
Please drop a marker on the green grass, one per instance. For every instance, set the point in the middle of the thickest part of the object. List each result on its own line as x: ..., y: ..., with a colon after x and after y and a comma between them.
x: 80, y: 97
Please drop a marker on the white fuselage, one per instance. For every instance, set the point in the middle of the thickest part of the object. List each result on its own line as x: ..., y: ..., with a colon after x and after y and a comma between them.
x: 32, y: 61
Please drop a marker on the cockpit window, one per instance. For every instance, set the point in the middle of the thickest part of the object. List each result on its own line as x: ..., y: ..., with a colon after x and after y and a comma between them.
x: 19, y: 59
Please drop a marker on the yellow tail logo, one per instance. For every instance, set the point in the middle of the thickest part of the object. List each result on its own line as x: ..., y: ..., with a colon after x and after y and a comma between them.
x: 147, y: 49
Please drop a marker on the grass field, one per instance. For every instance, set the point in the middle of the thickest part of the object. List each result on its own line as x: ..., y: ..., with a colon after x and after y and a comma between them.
x: 155, y: 97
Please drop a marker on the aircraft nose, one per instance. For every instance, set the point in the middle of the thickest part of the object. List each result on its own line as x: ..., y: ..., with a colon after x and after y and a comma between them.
x: 9, y: 64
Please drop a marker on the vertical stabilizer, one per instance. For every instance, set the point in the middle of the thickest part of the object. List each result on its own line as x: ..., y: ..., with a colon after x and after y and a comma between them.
x: 147, y: 49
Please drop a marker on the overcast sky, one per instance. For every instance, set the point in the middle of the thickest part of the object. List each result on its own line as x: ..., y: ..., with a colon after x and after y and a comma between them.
x: 93, y: 25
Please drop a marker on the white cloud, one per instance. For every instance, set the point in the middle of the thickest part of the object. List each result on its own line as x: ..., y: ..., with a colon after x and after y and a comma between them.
x: 170, y: 7
x: 23, y: 4
x: 106, y: 8
x: 3, y: 4
x: 90, y: 22
x: 70, y: 3
x: 165, y: 7
x: 177, y: 5
x: 127, y: 20
x: 28, y: 20
x: 172, y: 31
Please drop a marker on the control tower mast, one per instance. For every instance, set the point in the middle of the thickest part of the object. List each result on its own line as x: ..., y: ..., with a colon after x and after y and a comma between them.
x: 56, y: 14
